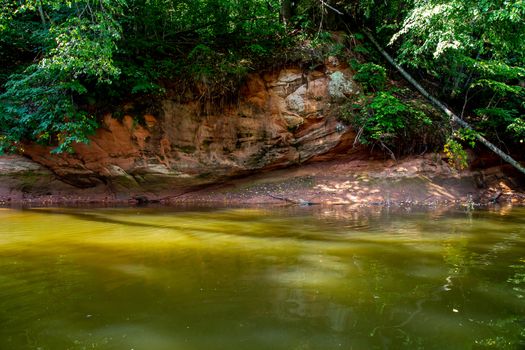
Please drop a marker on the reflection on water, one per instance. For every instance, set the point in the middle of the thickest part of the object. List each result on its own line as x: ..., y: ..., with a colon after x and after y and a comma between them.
x: 289, y: 278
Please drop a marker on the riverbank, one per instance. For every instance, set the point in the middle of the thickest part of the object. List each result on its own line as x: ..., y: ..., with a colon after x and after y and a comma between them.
x: 422, y: 180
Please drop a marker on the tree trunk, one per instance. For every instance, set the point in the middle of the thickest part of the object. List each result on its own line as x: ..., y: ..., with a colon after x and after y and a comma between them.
x: 41, y: 13
x: 287, y: 11
x: 453, y: 117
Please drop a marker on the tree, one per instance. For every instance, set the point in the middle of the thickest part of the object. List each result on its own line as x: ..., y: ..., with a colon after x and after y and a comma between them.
x: 75, y: 55
x: 476, y: 51
x: 76, y: 42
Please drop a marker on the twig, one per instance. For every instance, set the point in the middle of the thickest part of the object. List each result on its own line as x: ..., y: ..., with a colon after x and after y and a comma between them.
x: 331, y: 8
x: 358, y: 136
x: 389, y: 150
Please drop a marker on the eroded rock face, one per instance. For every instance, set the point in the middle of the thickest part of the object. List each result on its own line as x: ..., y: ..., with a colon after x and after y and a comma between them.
x: 282, y: 118
x: 21, y: 178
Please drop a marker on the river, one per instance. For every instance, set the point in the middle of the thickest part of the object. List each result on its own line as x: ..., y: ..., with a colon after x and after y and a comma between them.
x: 262, y: 278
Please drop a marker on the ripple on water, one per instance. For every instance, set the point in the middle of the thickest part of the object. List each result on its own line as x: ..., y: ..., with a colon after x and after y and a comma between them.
x: 292, y: 278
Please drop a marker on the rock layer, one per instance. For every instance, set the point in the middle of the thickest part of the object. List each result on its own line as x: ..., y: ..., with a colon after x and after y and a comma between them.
x: 282, y: 118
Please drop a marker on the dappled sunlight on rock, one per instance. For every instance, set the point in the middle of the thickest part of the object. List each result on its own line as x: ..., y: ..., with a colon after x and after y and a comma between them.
x: 439, y: 191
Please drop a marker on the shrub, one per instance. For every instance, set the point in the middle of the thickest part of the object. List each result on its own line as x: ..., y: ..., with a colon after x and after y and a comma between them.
x: 372, y: 76
x: 398, y: 127
x: 454, y: 150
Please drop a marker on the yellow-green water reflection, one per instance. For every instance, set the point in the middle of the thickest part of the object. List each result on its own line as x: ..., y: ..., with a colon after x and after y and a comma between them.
x: 292, y: 278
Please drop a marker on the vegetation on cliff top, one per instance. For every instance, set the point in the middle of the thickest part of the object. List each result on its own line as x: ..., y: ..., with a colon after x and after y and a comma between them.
x: 62, y: 61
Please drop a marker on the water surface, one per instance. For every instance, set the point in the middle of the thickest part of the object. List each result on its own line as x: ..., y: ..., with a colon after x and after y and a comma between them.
x: 281, y: 278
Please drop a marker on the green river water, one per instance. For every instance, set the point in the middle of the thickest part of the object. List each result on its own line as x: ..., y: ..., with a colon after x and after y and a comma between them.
x: 262, y: 278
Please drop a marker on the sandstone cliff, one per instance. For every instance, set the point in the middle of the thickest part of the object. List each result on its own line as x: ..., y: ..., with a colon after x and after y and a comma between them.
x: 282, y: 118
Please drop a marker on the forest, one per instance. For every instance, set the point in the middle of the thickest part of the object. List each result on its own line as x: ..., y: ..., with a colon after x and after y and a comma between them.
x: 63, y: 64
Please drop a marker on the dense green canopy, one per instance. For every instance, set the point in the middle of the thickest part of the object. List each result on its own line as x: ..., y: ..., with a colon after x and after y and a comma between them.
x: 475, y: 50
x: 61, y: 62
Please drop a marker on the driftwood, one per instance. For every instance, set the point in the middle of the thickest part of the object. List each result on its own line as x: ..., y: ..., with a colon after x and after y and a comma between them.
x: 453, y: 117
x: 293, y: 201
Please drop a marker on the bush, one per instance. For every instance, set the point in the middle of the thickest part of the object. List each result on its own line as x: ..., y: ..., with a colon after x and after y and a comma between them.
x: 372, y: 76
x: 399, y: 127
x: 454, y: 150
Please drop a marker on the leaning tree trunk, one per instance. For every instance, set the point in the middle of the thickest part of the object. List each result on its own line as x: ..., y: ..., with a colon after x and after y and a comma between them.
x: 440, y: 105
x: 287, y: 11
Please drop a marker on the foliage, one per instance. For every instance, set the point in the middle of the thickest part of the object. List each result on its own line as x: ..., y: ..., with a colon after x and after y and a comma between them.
x: 475, y: 51
x: 372, y: 76
x: 456, y: 154
x: 517, y: 127
x: 61, y: 61
x: 385, y: 119
x: 470, y: 53
x: 39, y: 103
x: 59, y: 58
x: 454, y: 150
x: 208, y: 44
